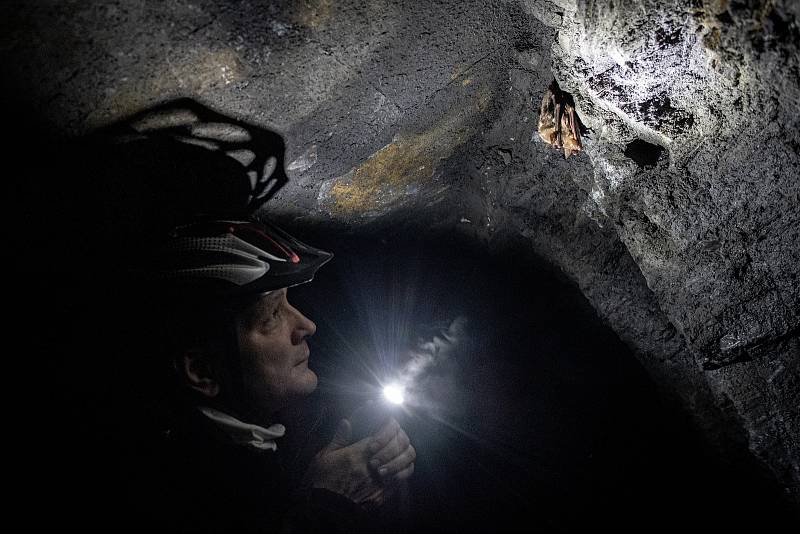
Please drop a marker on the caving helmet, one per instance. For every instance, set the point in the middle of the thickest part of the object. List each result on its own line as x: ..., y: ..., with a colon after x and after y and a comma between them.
x: 229, y: 258
x: 209, y: 270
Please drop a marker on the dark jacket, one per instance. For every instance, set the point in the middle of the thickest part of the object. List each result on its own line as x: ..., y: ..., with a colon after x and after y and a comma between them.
x: 194, y: 479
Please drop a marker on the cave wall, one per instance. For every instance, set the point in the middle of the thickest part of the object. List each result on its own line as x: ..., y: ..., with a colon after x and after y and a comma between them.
x: 678, y: 222
x: 710, y: 90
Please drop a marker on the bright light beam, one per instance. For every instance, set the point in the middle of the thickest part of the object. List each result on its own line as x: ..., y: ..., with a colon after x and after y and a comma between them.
x: 393, y: 393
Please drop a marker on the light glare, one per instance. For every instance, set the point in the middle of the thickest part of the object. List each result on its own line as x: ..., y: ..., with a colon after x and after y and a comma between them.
x: 393, y: 393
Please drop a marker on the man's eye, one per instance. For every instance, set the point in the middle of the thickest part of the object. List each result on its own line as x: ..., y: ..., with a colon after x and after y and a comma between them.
x: 273, y: 315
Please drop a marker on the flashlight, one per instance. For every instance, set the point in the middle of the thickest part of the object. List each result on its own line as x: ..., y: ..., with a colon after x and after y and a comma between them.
x: 370, y: 417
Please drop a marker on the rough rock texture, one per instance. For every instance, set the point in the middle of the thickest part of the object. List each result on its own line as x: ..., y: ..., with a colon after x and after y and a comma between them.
x: 679, y: 222
x: 692, y: 108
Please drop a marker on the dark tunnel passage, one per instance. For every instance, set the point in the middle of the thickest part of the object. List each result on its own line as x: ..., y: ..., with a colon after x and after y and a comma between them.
x: 544, y: 419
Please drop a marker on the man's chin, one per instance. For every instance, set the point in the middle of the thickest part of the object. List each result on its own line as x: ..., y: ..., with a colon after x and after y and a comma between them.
x: 307, y: 383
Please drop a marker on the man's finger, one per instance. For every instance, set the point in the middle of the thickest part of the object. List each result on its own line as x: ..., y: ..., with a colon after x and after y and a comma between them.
x: 375, y: 499
x: 391, y: 450
x: 385, y: 435
x: 341, y: 438
x: 399, y: 463
x: 404, y: 474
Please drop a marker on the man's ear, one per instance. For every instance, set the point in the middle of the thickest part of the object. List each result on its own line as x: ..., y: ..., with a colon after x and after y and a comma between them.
x: 197, y: 370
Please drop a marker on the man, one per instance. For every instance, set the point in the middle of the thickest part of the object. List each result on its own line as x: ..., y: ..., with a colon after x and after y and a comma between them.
x: 239, y: 352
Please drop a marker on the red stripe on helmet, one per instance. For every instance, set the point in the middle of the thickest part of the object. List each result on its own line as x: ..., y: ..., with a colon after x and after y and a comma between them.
x: 294, y: 258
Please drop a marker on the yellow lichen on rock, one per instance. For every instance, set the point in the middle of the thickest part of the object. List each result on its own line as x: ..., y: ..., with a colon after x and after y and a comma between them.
x: 394, y: 171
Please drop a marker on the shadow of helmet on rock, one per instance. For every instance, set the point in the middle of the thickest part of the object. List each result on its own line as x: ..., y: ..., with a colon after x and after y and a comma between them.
x: 166, y: 166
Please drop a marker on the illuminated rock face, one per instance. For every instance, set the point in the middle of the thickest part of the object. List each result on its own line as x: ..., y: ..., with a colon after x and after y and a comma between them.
x: 679, y: 221
x: 708, y: 90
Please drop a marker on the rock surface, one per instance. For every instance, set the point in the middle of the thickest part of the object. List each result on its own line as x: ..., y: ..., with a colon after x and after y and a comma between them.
x: 679, y: 221
x: 693, y: 113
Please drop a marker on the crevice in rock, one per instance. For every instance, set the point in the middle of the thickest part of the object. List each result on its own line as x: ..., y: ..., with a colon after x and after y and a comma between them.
x: 643, y: 153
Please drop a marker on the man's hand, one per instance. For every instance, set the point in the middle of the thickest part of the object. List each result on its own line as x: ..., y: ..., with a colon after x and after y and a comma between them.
x: 393, y: 455
x: 365, y: 471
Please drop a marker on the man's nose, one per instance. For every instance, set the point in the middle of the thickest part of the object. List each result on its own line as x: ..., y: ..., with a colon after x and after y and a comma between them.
x: 305, y: 328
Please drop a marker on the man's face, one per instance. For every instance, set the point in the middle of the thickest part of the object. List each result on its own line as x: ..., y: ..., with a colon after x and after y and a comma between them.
x: 274, y: 353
